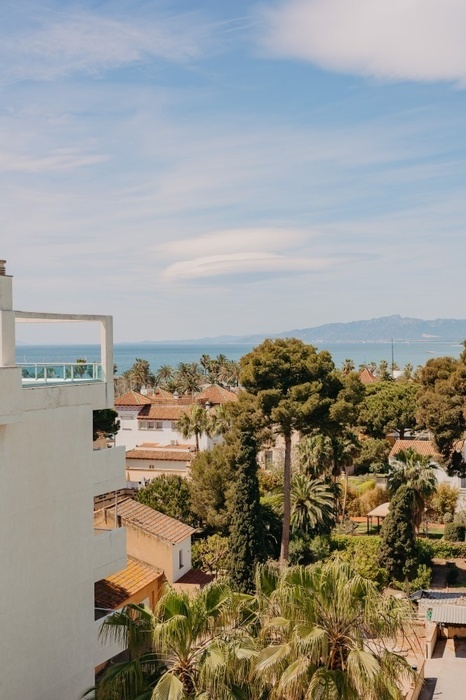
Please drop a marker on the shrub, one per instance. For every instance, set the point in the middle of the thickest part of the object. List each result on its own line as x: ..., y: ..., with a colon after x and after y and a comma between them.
x: 210, y: 554
x: 422, y: 578
x: 441, y: 549
x: 444, y: 501
x: 362, y: 551
x: 454, y: 532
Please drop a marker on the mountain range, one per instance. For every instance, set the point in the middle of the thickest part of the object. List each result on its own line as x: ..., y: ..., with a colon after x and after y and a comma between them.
x: 384, y: 329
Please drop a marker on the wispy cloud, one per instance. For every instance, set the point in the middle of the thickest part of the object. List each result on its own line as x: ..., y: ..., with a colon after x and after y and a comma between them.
x: 420, y: 40
x: 53, y: 42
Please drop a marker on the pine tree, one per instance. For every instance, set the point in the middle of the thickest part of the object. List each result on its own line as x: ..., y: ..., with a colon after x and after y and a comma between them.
x: 246, y: 532
x: 397, y: 553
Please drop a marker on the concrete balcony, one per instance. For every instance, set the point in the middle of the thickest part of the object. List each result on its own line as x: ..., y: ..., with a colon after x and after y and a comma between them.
x: 11, y: 397
x: 104, y: 650
x: 109, y: 470
x: 109, y: 552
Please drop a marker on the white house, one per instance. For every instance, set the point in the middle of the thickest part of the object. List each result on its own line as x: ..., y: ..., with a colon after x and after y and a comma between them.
x: 149, y: 460
x: 49, y: 474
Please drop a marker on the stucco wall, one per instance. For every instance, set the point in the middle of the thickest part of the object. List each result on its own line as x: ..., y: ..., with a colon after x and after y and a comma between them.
x: 47, y: 545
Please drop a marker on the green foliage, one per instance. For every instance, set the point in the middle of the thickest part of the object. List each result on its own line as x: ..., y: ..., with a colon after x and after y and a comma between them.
x: 422, y: 579
x: 388, y: 406
x: 364, y: 497
x: 454, y: 532
x: 105, y: 423
x: 397, y: 555
x: 312, y: 505
x: 246, y: 540
x: 444, y: 501
x: 362, y: 552
x: 373, y: 455
x: 439, y: 549
x: 212, y: 486
x: 418, y: 473
x: 210, y: 554
x: 194, y: 422
x: 139, y: 375
x: 169, y: 494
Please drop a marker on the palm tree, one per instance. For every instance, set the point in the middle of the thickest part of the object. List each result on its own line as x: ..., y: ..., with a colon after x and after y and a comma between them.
x: 418, y: 472
x: 325, y: 631
x: 194, y: 422
x: 203, y: 650
x: 163, y: 375
x: 140, y: 374
x: 312, y: 505
x: 220, y: 420
x: 316, y: 455
x: 189, y: 377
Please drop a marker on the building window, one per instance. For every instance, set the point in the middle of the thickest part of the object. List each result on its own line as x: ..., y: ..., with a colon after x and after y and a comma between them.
x: 180, y: 559
x: 159, y: 425
x: 174, y: 424
x: 462, y: 483
x: 151, y: 466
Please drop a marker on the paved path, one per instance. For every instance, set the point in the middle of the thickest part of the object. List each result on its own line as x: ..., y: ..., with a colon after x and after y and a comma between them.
x: 445, y: 673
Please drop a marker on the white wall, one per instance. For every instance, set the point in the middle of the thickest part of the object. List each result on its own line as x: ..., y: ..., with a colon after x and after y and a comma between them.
x: 185, y: 549
x: 131, y: 435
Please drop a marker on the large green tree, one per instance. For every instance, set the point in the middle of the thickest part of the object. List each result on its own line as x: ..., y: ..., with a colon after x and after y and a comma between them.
x: 140, y: 374
x: 247, y: 542
x: 195, y: 422
x: 418, y: 472
x: 397, y: 554
x: 389, y: 406
x: 212, y: 485
x: 295, y: 387
x: 169, y: 494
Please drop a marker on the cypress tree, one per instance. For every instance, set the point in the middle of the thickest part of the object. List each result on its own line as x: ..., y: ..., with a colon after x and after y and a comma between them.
x: 397, y: 553
x: 246, y: 532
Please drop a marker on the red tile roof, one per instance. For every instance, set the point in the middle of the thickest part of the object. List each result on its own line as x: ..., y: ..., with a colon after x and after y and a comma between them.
x: 163, y: 412
x: 112, y: 592
x: 425, y: 448
x: 132, y: 398
x: 195, y: 577
x: 161, y: 526
x: 367, y: 377
x: 216, y: 395
x: 161, y: 455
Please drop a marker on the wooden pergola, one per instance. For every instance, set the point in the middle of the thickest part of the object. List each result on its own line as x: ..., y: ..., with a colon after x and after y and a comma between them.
x: 380, y: 513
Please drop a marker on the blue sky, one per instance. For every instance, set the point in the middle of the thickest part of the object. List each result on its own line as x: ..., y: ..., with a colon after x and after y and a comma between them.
x: 201, y: 168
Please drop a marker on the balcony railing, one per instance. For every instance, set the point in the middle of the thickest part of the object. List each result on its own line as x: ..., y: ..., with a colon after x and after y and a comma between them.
x: 61, y: 373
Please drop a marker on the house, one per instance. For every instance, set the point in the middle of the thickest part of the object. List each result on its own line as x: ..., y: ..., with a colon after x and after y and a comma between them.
x: 152, y: 537
x: 153, y: 418
x: 50, y: 473
x: 149, y: 460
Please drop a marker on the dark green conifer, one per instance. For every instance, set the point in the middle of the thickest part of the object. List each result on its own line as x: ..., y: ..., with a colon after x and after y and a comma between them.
x: 397, y: 553
x: 246, y: 531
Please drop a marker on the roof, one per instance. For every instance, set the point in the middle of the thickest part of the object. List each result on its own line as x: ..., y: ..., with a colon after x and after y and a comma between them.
x: 424, y: 448
x: 196, y: 578
x: 161, y: 526
x: 163, y: 412
x: 367, y: 377
x: 132, y: 398
x: 164, y: 455
x: 113, y: 591
x: 449, y: 614
x: 215, y: 394
x: 381, y: 511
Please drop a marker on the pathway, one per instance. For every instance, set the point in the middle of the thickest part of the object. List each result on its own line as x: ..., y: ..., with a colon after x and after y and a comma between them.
x: 445, y: 673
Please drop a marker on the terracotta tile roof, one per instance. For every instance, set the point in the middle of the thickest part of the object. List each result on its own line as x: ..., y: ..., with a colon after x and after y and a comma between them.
x: 161, y: 455
x: 132, y: 398
x: 112, y: 592
x: 425, y: 448
x: 161, y: 526
x: 367, y: 377
x: 163, y: 412
x: 216, y: 395
x: 195, y: 577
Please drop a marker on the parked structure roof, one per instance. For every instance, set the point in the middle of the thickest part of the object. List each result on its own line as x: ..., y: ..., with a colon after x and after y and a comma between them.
x: 163, y: 411
x: 424, y: 448
x: 132, y: 398
x: 161, y: 526
x: 111, y: 592
x: 215, y: 394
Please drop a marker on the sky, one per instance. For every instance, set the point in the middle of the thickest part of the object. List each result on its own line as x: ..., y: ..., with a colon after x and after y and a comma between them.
x: 200, y: 168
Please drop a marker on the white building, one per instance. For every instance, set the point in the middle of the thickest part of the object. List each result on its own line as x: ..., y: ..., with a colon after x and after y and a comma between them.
x: 49, y: 475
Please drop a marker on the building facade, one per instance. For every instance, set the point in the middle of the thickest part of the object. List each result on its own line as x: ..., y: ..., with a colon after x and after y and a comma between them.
x: 50, y: 473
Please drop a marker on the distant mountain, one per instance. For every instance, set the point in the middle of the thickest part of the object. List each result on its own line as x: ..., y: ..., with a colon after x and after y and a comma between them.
x: 385, y: 329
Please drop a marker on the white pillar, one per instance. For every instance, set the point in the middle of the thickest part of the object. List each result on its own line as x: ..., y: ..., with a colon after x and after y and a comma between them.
x: 7, y: 319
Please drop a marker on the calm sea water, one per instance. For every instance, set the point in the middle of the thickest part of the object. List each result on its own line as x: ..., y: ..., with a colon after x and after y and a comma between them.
x: 415, y: 353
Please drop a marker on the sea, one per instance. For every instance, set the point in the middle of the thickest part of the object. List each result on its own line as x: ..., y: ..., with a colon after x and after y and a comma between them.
x: 414, y: 353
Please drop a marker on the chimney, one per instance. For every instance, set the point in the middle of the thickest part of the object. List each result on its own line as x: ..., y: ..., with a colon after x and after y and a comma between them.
x: 2, y: 268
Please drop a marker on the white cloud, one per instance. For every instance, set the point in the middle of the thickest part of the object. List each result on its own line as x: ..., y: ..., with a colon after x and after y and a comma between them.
x: 237, y: 240
x: 242, y: 263
x: 54, y: 44
x: 419, y: 40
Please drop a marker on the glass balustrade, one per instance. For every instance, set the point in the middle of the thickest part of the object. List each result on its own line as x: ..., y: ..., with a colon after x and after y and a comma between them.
x: 61, y: 372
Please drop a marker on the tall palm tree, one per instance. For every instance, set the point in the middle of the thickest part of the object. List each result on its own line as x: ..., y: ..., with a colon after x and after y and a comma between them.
x: 163, y: 375
x: 194, y: 422
x: 189, y: 377
x: 325, y: 632
x: 417, y: 472
x: 220, y: 420
x: 312, y: 505
x: 203, y: 649
x: 316, y: 455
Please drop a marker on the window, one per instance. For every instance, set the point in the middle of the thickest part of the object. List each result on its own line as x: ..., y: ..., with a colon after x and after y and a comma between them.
x: 159, y: 425
x: 180, y: 559
x: 174, y: 424
x: 462, y: 483
x: 151, y: 466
